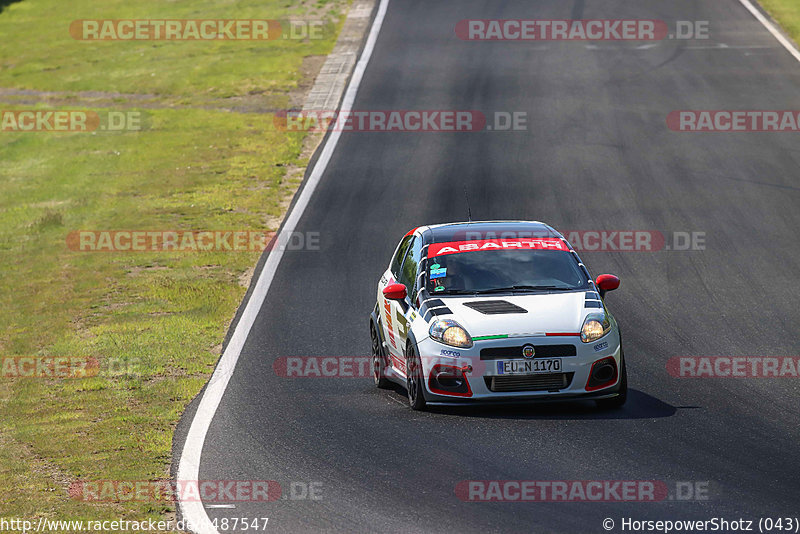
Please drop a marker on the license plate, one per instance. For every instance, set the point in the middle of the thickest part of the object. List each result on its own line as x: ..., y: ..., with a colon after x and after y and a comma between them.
x: 528, y: 367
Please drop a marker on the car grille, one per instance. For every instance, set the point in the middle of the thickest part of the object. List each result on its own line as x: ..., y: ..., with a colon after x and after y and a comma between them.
x: 542, y: 382
x: 542, y: 351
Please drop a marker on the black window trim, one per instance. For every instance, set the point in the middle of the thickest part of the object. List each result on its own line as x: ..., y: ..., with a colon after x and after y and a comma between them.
x: 403, y: 260
x: 408, y: 300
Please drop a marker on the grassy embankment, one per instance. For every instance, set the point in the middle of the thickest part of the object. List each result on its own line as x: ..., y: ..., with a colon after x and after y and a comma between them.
x: 207, y: 158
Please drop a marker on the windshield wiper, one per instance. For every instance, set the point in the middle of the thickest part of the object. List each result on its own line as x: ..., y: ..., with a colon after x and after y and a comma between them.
x: 524, y: 288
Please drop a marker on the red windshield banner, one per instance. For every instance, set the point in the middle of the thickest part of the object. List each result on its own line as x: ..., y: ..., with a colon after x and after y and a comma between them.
x: 456, y: 247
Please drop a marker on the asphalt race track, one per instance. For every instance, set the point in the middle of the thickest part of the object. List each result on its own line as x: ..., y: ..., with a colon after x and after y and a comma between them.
x: 596, y: 155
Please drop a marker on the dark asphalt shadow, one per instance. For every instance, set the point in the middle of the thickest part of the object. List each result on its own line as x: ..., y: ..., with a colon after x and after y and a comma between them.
x: 640, y: 405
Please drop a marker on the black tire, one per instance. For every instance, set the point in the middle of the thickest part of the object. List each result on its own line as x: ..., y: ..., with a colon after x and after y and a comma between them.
x: 618, y: 401
x: 414, y: 378
x: 378, y: 360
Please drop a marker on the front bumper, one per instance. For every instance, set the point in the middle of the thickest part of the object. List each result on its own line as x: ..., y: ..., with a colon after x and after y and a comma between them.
x: 486, y: 383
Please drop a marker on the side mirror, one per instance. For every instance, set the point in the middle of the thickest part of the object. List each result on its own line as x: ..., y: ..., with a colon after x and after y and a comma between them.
x: 606, y: 282
x: 397, y: 291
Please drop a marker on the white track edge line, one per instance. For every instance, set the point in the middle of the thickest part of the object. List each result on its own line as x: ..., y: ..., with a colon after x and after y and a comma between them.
x: 189, y: 463
x: 771, y: 27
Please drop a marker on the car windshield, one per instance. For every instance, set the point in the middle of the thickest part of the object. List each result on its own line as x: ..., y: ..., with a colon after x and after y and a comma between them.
x: 490, y: 271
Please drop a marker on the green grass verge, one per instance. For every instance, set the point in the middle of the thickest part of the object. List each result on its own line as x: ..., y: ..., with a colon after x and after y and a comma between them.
x: 787, y: 13
x: 39, y: 52
x: 160, y: 317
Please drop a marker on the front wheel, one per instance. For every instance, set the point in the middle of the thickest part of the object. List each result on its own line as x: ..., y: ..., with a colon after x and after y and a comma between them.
x: 414, y: 378
x: 618, y: 401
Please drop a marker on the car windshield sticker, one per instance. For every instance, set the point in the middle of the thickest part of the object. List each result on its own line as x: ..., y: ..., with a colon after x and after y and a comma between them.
x: 435, y: 266
x: 438, y: 273
x: 456, y: 247
x: 438, y: 288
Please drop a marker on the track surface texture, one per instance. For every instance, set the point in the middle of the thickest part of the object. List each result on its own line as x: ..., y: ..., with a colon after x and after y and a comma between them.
x: 597, y: 155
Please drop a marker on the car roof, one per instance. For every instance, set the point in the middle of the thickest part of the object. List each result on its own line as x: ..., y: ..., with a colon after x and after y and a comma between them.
x: 464, y: 231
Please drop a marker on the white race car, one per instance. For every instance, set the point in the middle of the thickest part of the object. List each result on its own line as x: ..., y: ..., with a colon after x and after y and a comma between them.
x: 501, y: 311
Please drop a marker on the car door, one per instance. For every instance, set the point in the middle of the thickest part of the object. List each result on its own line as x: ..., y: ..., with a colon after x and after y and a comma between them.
x: 388, y: 308
x: 400, y: 310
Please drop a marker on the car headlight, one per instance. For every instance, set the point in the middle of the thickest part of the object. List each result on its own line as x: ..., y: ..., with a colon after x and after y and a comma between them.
x: 450, y: 333
x: 595, y: 326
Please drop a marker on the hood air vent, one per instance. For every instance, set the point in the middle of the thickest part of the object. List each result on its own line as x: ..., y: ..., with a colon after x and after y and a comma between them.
x: 494, y: 307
